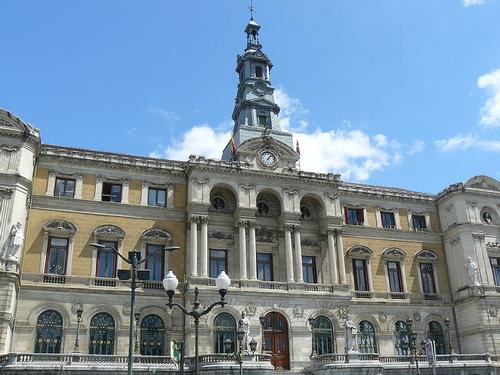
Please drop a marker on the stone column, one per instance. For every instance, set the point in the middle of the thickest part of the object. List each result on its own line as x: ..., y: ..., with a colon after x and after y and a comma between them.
x: 204, y: 247
x: 288, y: 253
x: 332, y: 256
x: 252, y: 253
x: 299, y: 277
x: 340, y: 253
x: 193, y: 254
x: 243, y: 249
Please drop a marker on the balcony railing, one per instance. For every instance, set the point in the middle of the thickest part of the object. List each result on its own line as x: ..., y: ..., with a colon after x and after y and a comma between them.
x: 52, y: 278
x: 104, y: 281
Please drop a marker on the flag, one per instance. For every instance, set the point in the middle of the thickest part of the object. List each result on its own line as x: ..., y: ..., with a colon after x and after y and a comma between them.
x: 234, y: 150
x: 298, y: 149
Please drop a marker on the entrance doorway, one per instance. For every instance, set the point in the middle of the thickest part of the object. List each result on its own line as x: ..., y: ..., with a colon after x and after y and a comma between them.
x: 276, y: 340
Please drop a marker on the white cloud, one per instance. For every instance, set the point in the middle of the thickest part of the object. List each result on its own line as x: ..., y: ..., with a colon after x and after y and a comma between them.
x: 291, y: 108
x: 165, y: 114
x: 463, y: 142
x: 469, y: 3
x: 201, y: 140
x: 353, y: 154
x: 417, y: 147
x: 490, y: 112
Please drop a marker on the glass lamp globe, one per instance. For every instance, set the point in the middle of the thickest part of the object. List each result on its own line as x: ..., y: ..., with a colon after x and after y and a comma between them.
x: 170, y: 281
x: 223, y: 281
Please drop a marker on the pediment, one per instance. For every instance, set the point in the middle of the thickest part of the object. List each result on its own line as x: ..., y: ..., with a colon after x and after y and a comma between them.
x: 252, y: 150
x: 9, y: 121
x: 483, y: 183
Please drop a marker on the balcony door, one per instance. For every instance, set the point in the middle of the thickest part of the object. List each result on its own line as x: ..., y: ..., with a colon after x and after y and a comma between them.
x: 276, y: 340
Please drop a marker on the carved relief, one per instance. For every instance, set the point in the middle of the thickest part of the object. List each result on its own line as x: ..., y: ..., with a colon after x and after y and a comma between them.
x: 109, y: 230
x: 342, y: 311
x: 298, y: 312
x: 251, y: 310
x: 8, y: 149
x: 262, y: 235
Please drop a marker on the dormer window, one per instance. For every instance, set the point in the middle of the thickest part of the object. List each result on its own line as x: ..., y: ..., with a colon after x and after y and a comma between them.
x: 258, y: 71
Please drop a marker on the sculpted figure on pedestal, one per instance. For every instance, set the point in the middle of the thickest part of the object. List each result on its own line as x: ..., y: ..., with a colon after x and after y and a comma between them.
x: 472, y: 271
x: 11, y: 248
x: 244, y: 326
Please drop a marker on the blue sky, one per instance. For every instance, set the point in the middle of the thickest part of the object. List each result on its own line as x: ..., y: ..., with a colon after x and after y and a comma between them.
x: 389, y: 92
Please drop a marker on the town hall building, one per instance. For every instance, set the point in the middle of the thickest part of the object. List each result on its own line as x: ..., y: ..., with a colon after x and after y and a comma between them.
x: 304, y: 252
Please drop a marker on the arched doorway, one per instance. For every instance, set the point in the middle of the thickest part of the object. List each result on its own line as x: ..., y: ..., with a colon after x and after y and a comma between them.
x: 276, y: 340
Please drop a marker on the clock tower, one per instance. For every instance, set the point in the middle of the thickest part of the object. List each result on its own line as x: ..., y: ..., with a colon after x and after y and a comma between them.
x: 255, y: 113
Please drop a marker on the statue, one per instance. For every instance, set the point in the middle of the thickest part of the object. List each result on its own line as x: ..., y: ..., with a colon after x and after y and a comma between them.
x: 244, y: 326
x: 472, y: 271
x: 11, y: 248
x: 351, y: 332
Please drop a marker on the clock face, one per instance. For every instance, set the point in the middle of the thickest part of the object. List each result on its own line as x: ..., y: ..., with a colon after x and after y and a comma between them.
x: 268, y: 158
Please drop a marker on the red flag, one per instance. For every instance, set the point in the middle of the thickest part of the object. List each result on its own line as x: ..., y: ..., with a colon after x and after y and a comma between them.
x: 234, y: 150
x: 298, y: 149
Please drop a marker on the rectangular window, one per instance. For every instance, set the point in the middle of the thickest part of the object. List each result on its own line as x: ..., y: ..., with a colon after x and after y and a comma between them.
x: 354, y: 216
x: 111, y: 192
x: 265, y: 266
x: 218, y: 262
x: 388, y: 220
x: 309, y: 269
x: 394, y: 273
x: 419, y: 223
x: 156, y: 262
x: 427, y: 276
x: 360, y: 275
x: 57, y: 254
x: 262, y: 120
x: 258, y: 71
x: 64, y: 188
x: 106, y: 260
x: 495, y: 267
x: 157, y: 197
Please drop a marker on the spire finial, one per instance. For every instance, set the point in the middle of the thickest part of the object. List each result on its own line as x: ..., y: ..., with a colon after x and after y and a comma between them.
x: 252, y: 10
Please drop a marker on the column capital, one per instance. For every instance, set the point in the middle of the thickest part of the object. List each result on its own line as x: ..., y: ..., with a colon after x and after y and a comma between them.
x: 479, y: 236
x: 296, y: 228
x: 241, y: 224
x: 203, y: 219
x: 287, y: 227
x: 251, y: 224
x: 331, y: 230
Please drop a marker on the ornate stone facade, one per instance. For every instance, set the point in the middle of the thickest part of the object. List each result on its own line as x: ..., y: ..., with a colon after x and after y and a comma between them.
x: 303, y: 249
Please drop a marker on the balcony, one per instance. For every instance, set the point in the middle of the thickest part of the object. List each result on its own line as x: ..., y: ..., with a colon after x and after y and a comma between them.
x: 275, y: 286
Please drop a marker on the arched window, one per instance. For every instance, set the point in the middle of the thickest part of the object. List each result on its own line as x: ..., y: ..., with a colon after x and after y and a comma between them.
x: 401, y: 338
x: 367, y: 339
x: 48, y: 332
x: 262, y: 208
x: 225, y: 328
x: 323, y: 335
x: 102, y: 334
x: 152, y: 335
x: 436, y: 334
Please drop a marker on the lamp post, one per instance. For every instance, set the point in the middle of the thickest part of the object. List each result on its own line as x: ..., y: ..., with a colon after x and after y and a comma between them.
x: 412, y: 337
x: 129, y: 277
x: 238, y: 355
x: 79, y: 313
x: 450, y: 347
x: 137, y: 316
x: 313, y: 347
x: 262, y: 320
x: 170, y: 283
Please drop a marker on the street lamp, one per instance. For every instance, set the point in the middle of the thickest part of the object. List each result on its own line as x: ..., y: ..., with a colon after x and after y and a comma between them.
x: 79, y: 313
x: 170, y: 283
x: 137, y: 316
x: 412, y: 338
x: 133, y: 274
x: 450, y: 347
x: 313, y: 347
x: 238, y: 355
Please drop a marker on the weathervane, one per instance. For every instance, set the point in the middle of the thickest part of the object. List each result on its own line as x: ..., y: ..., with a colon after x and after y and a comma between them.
x: 252, y: 10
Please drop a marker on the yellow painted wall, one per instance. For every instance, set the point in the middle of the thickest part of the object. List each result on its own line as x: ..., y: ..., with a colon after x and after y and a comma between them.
x: 86, y: 223
x: 410, y: 263
x: 40, y: 181
x: 88, y: 188
x: 403, y: 219
x: 134, y: 192
x: 370, y: 213
x: 180, y: 196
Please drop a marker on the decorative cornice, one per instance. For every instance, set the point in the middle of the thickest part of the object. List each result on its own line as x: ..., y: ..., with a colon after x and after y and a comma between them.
x: 9, y: 148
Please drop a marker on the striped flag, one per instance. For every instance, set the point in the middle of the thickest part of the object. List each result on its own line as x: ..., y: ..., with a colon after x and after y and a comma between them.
x: 234, y: 149
x: 297, y: 148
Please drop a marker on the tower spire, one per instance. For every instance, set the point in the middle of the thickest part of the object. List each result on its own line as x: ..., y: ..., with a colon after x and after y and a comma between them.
x: 252, y: 10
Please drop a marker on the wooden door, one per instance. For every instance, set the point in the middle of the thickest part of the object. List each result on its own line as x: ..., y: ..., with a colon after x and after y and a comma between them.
x: 276, y: 340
